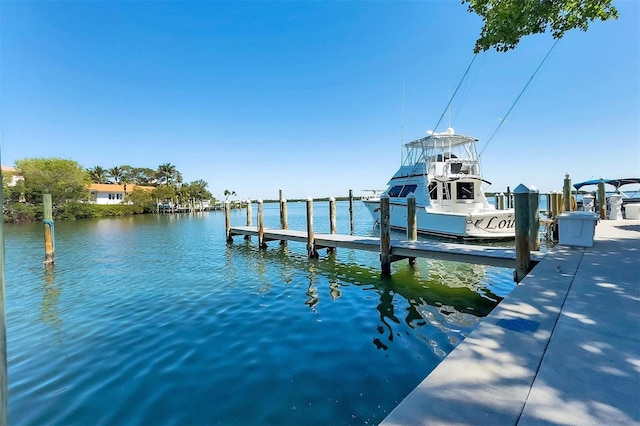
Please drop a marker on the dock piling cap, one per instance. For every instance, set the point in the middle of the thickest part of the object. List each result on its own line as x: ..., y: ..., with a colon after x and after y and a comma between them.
x: 521, y: 189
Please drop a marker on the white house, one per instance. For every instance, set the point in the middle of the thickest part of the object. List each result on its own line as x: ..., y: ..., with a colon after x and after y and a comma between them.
x: 105, y: 193
x: 12, y: 174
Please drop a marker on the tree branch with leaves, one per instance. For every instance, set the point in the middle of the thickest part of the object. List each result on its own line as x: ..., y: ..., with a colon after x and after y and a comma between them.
x: 505, y: 22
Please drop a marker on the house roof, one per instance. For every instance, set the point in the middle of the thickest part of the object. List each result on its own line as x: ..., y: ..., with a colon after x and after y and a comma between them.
x: 112, y: 187
x: 9, y: 169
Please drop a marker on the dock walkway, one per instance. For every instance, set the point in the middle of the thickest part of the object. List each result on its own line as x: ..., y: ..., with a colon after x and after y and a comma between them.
x: 485, y: 255
x: 562, y: 348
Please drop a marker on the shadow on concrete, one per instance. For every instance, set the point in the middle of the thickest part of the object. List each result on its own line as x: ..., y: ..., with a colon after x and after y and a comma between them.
x: 562, y: 348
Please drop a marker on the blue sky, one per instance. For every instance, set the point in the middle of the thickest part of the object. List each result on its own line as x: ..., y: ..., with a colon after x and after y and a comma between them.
x: 308, y: 96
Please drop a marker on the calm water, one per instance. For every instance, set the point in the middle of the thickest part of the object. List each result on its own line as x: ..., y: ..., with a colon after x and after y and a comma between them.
x: 155, y: 320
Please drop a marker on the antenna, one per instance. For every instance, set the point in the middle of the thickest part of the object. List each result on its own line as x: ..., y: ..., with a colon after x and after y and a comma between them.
x: 449, y: 108
x: 402, y: 124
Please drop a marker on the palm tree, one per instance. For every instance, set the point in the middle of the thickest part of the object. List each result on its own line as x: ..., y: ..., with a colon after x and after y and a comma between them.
x: 166, y: 172
x: 116, y: 173
x: 227, y: 193
x: 98, y: 174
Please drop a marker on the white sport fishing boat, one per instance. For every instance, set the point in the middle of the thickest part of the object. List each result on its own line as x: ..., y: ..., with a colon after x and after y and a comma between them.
x: 442, y: 170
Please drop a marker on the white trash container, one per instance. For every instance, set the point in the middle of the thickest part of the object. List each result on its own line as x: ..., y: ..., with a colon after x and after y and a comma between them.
x: 577, y: 228
x: 632, y: 211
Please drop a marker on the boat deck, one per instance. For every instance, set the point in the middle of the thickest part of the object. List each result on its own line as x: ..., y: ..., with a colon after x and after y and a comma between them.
x: 562, y: 348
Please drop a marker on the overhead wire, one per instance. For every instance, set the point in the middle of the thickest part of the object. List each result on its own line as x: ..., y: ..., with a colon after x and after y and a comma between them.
x: 518, y: 98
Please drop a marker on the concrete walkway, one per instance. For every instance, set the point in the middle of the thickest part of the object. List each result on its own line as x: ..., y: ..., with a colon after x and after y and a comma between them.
x: 562, y: 349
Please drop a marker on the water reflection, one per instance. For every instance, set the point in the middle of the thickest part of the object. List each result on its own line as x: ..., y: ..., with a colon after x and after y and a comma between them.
x: 312, y: 290
x: 51, y: 296
x: 386, y: 310
x: 449, y: 296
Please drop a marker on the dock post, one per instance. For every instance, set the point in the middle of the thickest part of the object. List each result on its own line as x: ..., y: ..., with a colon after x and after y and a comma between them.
x: 49, y: 230
x: 332, y: 221
x: 385, y: 237
x: 521, y: 205
x: 534, y: 219
x: 311, y: 248
x: 280, y: 204
x: 509, y: 200
x: 351, y: 210
x: 566, y: 192
x: 261, y: 243
x: 249, y: 219
x: 602, y: 200
x: 227, y: 221
x: 283, y: 218
x: 501, y: 201
x: 412, y: 229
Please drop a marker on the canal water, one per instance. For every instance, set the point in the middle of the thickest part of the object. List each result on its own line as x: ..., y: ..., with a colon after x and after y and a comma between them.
x: 156, y: 320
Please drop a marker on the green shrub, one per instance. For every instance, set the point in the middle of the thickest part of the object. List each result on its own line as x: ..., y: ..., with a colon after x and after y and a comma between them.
x: 21, y: 212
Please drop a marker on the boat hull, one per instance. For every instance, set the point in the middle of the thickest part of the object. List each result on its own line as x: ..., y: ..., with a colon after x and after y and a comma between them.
x: 481, y: 225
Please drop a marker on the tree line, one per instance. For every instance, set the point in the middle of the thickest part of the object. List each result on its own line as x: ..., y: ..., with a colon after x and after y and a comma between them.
x: 68, y: 183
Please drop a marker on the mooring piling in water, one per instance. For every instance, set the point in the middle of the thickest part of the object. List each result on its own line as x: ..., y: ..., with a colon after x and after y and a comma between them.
x: 385, y: 236
x: 283, y: 216
x: 249, y: 219
x: 227, y: 221
x: 49, y: 230
x: 261, y: 243
x: 412, y: 223
x: 351, y: 210
x: 311, y: 247
x: 332, y: 221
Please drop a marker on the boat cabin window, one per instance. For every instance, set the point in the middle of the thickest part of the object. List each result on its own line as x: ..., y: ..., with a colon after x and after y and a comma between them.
x: 464, y: 190
x: 402, y: 190
x: 433, y: 190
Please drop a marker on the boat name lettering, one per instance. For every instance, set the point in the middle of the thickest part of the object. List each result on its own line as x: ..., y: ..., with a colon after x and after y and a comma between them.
x: 495, y: 224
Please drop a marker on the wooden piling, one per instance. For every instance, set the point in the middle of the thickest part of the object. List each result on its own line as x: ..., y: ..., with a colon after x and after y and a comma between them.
x: 261, y: 242
x: 227, y: 220
x: 385, y: 237
x: 566, y: 192
x: 557, y: 208
x: 49, y: 230
x: 509, y: 199
x: 249, y: 219
x: 311, y: 248
x: 501, y: 201
x: 283, y: 218
x: 332, y: 221
x: 351, y: 210
x: 602, y: 200
x: 280, y: 198
x: 412, y: 228
x: 534, y: 219
x: 521, y: 205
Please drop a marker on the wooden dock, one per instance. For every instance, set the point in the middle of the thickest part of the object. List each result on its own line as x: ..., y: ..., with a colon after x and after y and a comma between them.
x: 400, y: 249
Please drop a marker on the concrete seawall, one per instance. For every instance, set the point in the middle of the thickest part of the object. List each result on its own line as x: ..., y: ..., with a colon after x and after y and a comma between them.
x: 562, y: 348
